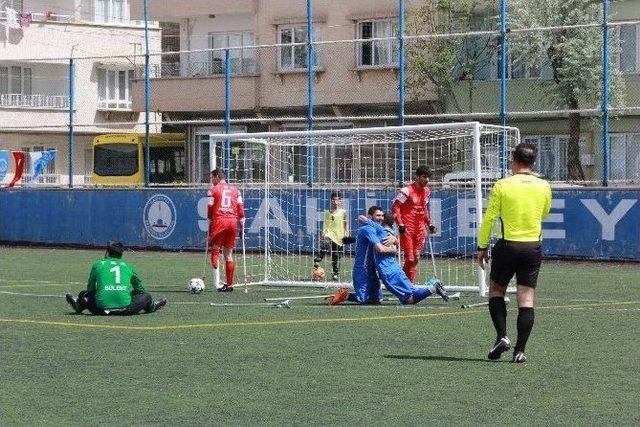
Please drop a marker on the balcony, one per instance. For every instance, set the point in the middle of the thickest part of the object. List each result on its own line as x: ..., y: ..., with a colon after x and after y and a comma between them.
x: 40, y: 102
x: 86, y: 17
x: 114, y: 105
x: 200, y: 64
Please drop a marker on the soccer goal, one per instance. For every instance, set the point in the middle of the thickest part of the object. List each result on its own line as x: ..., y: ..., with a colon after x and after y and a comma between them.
x: 287, y: 179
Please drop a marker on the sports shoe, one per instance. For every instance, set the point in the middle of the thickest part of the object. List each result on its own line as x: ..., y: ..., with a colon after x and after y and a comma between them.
x: 159, y: 304
x: 73, y: 302
x: 519, y: 357
x: 339, y: 297
x: 502, y: 345
x: 441, y: 291
x: 226, y: 288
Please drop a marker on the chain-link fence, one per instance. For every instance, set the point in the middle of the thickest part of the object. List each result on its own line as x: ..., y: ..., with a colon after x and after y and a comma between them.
x: 74, y: 81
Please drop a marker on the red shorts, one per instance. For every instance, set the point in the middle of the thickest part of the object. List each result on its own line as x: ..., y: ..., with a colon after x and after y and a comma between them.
x: 412, y: 242
x: 223, y: 232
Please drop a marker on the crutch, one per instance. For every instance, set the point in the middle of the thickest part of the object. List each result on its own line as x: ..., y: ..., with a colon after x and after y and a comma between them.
x: 433, y: 259
x: 206, y: 253
x: 244, y: 260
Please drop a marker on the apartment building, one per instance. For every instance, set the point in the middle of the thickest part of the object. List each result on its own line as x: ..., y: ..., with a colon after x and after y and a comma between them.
x: 34, y: 77
x: 351, y: 78
x: 356, y: 78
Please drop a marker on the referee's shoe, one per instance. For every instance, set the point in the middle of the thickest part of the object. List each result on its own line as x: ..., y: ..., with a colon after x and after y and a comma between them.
x: 502, y: 345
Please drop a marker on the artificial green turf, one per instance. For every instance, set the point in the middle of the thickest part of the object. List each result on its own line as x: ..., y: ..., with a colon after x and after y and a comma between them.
x: 312, y: 364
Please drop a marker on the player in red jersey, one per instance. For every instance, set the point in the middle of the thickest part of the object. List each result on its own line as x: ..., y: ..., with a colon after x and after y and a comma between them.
x: 410, y: 211
x: 225, y: 210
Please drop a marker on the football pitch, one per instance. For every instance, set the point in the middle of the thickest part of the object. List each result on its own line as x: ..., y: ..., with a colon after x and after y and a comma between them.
x: 195, y: 364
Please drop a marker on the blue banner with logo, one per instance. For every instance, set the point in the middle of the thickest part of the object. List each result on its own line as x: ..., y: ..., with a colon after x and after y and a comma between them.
x: 589, y: 224
x: 4, y: 164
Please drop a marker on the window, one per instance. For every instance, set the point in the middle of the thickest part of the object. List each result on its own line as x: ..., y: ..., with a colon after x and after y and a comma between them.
x: 15, y: 80
x: 247, y: 159
x: 293, y: 54
x: 552, y: 155
x: 115, y: 159
x: 114, y: 89
x: 630, y: 48
x: 625, y: 156
x: 335, y: 159
x: 377, y: 52
x: 17, y: 5
x: 88, y: 164
x: 243, y: 61
x: 111, y: 11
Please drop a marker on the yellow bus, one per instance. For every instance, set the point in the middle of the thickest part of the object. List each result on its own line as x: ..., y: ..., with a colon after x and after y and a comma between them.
x: 119, y: 158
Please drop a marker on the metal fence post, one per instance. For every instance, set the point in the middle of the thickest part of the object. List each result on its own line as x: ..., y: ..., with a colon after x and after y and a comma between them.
x: 71, y: 106
x: 503, y: 86
x: 310, y: 90
x: 147, y: 98
x: 401, y: 90
x: 227, y: 110
x: 604, y: 106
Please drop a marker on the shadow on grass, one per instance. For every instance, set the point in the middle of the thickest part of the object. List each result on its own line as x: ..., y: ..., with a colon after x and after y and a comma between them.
x: 439, y: 358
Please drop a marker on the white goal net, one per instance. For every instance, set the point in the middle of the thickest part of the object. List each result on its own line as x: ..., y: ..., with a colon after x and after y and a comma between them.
x: 287, y: 179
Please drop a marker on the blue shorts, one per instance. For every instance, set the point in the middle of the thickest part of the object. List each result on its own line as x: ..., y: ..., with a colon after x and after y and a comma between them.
x: 366, y: 285
x: 397, y: 282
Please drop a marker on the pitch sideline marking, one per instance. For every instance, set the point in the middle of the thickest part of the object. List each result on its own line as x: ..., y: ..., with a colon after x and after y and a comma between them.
x: 45, y: 284
x: 292, y: 321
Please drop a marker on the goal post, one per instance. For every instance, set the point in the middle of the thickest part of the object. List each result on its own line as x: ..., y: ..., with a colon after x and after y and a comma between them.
x: 285, y: 205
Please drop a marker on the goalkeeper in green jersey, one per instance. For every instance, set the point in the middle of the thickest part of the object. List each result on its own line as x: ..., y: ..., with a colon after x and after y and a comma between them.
x: 114, y: 288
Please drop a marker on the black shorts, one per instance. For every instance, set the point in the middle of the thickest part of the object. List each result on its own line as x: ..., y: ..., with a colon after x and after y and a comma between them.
x: 520, y: 258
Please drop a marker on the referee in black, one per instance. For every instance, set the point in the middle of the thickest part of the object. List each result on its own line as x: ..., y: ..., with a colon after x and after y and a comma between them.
x: 520, y: 202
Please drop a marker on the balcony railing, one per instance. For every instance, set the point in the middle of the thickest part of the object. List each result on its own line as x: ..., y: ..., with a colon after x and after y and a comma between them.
x: 199, y: 64
x: 54, y: 17
x: 18, y: 100
x: 114, y: 104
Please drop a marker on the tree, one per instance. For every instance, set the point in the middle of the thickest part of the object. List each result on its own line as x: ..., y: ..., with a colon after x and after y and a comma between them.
x: 439, y: 63
x: 574, y: 56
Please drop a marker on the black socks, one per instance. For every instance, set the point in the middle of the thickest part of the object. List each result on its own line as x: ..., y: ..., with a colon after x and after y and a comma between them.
x: 525, y: 324
x: 498, y: 310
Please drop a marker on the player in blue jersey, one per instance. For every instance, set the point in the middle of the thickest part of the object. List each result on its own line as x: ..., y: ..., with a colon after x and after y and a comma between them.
x: 392, y: 275
x: 366, y: 286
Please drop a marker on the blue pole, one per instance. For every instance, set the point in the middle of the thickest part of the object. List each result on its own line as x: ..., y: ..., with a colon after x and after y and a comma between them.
x: 605, y: 93
x: 401, y: 90
x: 227, y: 110
x: 147, y: 99
x: 70, y: 136
x: 503, y: 86
x: 310, y: 90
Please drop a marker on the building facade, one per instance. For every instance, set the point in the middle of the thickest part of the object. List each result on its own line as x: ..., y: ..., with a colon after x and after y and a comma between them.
x: 34, y: 78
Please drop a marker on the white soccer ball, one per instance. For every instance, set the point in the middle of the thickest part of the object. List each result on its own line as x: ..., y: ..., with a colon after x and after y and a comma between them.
x: 196, y: 285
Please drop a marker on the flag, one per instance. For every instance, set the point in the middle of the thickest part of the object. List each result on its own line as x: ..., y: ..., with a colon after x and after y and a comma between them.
x: 4, y: 164
x: 25, y: 19
x: 18, y: 156
x: 39, y: 161
x: 12, y: 18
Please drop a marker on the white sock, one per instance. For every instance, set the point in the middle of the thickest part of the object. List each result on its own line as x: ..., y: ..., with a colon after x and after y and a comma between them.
x: 216, y: 278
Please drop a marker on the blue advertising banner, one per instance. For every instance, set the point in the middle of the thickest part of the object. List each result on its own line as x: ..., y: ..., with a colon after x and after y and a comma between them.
x: 588, y: 224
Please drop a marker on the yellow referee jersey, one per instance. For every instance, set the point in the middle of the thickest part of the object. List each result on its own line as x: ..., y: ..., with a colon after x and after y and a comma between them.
x: 520, y: 201
x: 334, y: 225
